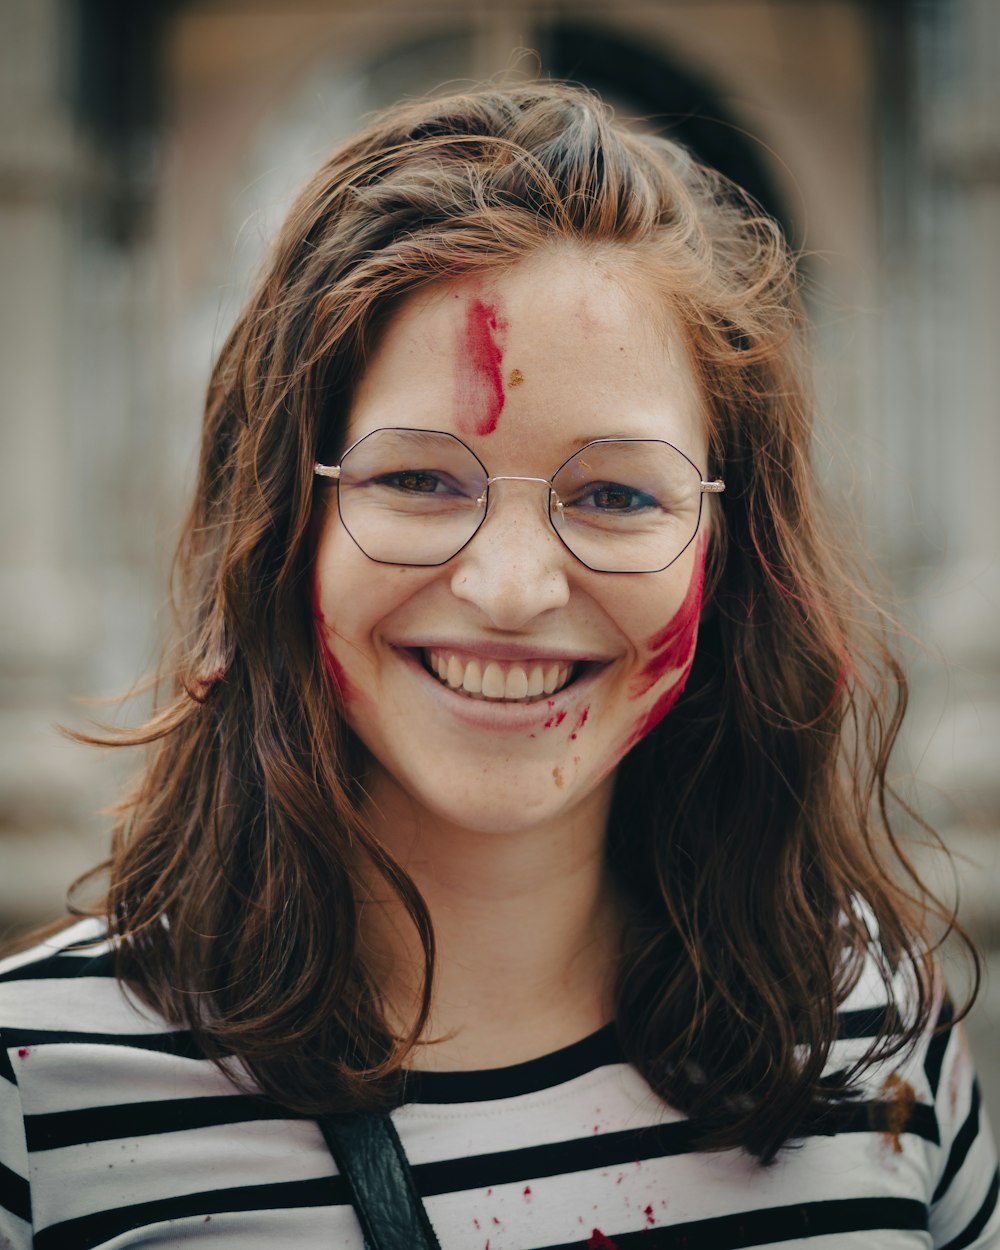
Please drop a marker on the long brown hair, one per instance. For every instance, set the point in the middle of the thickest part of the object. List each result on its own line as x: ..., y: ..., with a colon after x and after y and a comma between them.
x: 748, y: 830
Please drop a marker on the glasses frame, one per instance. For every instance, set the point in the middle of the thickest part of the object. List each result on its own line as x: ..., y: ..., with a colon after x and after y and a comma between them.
x: 331, y: 472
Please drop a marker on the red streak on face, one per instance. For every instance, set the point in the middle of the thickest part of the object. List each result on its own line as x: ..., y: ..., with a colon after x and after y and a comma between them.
x: 480, y: 394
x: 672, y: 650
x: 338, y: 678
x: 598, y: 1241
x: 580, y: 723
x: 673, y: 647
x: 556, y: 718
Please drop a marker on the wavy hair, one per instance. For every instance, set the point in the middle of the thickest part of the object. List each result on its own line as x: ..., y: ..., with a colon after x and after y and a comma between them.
x: 744, y: 829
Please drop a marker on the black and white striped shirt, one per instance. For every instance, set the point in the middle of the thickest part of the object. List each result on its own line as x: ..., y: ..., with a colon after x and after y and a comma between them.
x: 114, y: 1132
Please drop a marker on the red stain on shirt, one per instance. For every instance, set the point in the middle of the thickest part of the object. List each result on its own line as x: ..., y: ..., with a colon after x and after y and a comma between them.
x: 479, y: 390
x: 650, y: 1217
x: 527, y: 1191
x: 23, y: 1052
x: 598, y: 1241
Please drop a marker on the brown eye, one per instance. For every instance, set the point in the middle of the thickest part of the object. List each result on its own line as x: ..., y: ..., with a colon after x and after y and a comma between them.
x: 613, y: 498
x: 413, y: 481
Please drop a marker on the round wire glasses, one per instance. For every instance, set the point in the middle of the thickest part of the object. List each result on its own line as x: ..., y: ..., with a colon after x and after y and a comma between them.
x: 619, y: 505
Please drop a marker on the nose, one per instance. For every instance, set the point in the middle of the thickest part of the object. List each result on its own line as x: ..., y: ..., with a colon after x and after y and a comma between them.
x: 514, y: 569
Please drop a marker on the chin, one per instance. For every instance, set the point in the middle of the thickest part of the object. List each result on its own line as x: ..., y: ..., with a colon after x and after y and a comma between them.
x: 501, y: 803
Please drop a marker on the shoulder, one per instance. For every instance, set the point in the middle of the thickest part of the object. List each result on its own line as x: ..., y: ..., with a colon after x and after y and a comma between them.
x: 919, y: 1107
x: 67, y: 985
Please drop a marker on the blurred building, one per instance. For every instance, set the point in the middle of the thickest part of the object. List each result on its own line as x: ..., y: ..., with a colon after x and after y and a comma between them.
x: 148, y: 151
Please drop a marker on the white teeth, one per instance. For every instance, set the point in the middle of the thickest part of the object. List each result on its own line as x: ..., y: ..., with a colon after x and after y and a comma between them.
x: 493, y: 686
x: 488, y: 680
x: 517, y: 684
x: 472, y: 682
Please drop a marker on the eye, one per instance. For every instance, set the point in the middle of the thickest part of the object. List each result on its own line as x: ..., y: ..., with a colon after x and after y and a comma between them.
x: 416, y: 482
x: 613, y: 497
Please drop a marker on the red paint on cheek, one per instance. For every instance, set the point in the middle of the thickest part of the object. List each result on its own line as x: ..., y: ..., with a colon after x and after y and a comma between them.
x: 659, y: 709
x: 334, y: 670
x: 556, y: 718
x: 671, y: 650
x: 673, y: 646
x: 580, y: 723
x: 479, y: 391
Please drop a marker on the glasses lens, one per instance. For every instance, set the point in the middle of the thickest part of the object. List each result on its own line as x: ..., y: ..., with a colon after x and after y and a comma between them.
x: 411, y: 496
x: 627, y: 507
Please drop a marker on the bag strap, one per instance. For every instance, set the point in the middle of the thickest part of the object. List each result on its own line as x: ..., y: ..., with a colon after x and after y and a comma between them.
x: 370, y: 1157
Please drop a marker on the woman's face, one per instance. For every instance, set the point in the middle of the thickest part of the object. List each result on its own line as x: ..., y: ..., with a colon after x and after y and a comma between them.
x: 525, y: 368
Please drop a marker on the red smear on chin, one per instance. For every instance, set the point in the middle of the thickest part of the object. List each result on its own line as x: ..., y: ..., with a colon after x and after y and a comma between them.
x: 479, y: 391
x: 580, y: 723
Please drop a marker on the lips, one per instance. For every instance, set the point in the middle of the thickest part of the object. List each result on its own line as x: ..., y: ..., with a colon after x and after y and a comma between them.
x: 507, y: 681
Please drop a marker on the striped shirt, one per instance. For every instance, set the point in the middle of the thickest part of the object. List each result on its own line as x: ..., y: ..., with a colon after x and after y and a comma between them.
x: 116, y: 1132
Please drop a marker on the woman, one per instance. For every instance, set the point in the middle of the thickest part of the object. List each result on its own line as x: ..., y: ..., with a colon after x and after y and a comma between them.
x: 519, y: 797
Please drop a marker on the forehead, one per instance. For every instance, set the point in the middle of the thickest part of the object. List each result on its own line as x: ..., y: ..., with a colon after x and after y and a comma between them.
x: 544, y: 356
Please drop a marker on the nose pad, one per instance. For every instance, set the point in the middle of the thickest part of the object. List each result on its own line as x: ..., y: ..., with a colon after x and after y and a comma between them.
x: 514, y: 568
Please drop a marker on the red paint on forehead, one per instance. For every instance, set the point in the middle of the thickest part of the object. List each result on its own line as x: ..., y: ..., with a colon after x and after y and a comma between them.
x: 479, y: 391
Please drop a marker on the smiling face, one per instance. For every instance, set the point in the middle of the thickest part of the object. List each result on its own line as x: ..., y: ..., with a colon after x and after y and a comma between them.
x: 499, y: 690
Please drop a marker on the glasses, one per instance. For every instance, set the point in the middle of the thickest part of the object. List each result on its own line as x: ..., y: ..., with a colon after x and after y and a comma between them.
x: 619, y: 505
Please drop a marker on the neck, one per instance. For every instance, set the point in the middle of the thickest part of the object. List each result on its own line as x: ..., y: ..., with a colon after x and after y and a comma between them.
x: 526, y: 928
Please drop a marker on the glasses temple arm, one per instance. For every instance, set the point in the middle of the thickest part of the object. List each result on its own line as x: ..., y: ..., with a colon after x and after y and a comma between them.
x: 327, y: 470
x: 713, y: 488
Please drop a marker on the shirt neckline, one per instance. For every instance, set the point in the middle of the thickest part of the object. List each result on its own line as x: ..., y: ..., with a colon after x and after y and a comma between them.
x: 488, y: 1084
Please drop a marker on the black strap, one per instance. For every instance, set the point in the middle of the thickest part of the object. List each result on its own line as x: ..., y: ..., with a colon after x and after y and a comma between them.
x: 370, y: 1157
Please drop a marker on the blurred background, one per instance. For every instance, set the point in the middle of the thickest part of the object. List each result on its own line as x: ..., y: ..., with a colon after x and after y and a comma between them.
x: 148, y: 150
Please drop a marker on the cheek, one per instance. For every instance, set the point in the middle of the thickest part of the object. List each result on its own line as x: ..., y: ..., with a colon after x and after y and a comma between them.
x: 669, y: 656
x: 340, y: 688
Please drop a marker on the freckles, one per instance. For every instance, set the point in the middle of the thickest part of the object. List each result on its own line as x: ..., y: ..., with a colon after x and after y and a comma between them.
x: 479, y: 388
